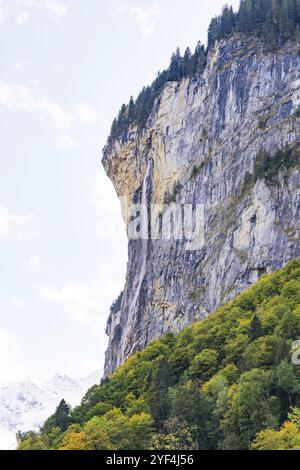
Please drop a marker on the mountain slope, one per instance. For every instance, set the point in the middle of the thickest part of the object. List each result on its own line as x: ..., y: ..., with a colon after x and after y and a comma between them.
x: 218, y: 131
x: 26, y: 405
x: 216, y: 385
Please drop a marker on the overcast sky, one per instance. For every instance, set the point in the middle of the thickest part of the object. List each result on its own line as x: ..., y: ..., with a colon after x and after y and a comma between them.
x: 66, y: 68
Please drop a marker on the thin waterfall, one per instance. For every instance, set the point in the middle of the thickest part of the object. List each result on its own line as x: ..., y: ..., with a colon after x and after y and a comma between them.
x: 144, y: 229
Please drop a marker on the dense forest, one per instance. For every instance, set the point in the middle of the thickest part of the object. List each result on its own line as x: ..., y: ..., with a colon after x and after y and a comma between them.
x: 227, y: 382
x: 274, y: 21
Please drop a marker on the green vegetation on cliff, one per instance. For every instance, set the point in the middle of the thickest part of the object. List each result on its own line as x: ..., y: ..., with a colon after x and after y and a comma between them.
x: 227, y: 382
x: 274, y: 21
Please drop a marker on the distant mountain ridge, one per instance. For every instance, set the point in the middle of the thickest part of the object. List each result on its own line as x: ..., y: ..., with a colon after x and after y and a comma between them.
x: 26, y: 404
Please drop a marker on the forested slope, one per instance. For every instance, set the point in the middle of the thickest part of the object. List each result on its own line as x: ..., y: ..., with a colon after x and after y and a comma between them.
x: 227, y: 382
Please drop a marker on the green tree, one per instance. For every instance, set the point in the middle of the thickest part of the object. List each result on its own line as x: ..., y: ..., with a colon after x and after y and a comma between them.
x: 252, y: 406
x: 294, y: 416
x: 176, y: 436
x: 227, y: 23
x: 189, y: 405
x: 204, y: 365
x: 265, y: 351
x: 255, y: 328
x: 287, y: 382
x: 175, y: 69
x: 187, y: 63
x: 287, y: 438
x: 131, y: 112
x: 126, y: 433
x: 32, y: 441
x: 60, y: 419
x: 159, y: 393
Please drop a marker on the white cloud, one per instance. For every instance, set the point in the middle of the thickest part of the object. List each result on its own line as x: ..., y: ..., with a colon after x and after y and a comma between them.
x: 54, y: 7
x: 85, y: 302
x: 17, y: 227
x: 22, y: 17
x: 21, y: 67
x: 64, y: 142
x: 11, y: 365
x: 17, y: 66
x: 3, y: 13
x: 86, y: 113
x: 110, y: 225
x: 144, y: 16
x: 20, y: 97
x: 18, y: 302
x: 37, y: 265
x: 20, y: 11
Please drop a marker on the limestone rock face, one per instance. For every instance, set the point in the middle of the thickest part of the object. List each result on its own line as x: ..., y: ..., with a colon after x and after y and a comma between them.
x: 204, y: 138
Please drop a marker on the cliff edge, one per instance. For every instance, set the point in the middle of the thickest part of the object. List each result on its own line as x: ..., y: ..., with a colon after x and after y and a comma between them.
x: 227, y: 140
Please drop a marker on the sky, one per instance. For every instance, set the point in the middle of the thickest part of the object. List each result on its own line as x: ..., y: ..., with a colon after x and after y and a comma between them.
x: 66, y: 66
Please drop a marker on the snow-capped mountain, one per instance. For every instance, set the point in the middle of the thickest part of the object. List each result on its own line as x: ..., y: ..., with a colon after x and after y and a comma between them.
x: 26, y: 405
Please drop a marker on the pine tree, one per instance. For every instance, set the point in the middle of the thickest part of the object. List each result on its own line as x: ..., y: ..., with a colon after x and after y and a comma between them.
x: 255, y: 328
x: 199, y: 59
x: 245, y: 17
x: 175, y: 70
x: 187, y: 63
x: 114, y: 129
x: 214, y: 32
x: 131, y: 111
x: 159, y: 393
x: 227, y: 22
x: 122, y: 121
x: 188, y: 404
x: 60, y: 419
x: 62, y: 415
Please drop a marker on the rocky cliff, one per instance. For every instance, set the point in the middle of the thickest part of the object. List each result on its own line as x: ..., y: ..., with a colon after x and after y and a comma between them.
x: 227, y: 141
